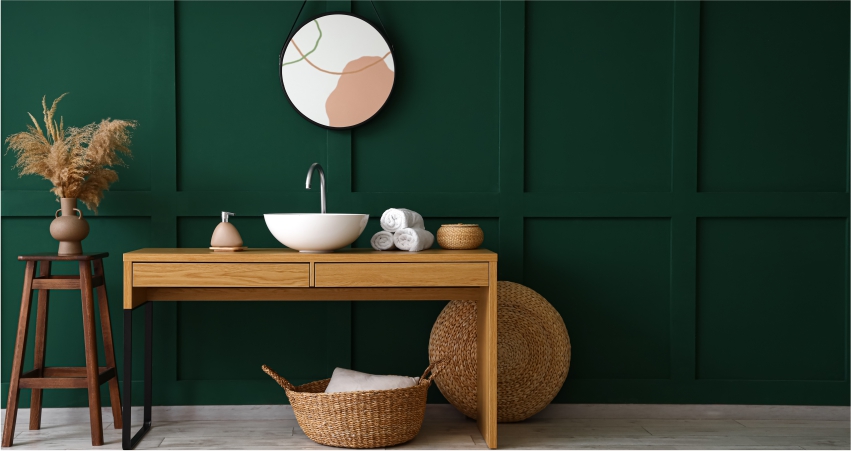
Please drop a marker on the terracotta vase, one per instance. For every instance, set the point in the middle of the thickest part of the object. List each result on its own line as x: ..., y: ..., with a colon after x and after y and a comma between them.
x: 69, y: 229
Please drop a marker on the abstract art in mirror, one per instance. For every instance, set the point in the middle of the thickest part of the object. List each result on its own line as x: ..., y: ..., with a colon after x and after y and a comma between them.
x: 337, y: 70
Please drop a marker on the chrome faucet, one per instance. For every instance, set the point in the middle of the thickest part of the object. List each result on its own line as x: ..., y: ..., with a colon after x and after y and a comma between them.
x: 321, y: 182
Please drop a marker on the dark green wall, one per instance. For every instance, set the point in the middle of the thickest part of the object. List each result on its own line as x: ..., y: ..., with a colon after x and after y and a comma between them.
x: 673, y: 177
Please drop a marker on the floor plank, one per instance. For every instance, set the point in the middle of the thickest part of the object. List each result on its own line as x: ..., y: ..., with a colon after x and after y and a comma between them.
x: 793, y: 423
x: 180, y: 442
x: 109, y: 442
x: 440, y: 441
x: 627, y: 422
x: 820, y: 442
x: 266, y: 429
x: 272, y: 427
x: 556, y: 430
x: 55, y: 432
x: 651, y: 442
x: 751, y: 432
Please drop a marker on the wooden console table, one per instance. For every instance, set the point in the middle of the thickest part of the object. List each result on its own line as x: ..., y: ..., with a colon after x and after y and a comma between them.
x: 286, y: 275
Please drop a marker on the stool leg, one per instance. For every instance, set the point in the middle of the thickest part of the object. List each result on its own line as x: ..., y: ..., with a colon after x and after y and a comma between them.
x: 40, y: 346
x: 91, y: 352
x: 108, y: 349
x: 18, y: 360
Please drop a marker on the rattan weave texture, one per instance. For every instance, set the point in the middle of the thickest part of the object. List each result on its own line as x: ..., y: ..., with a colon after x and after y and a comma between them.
x: 460, y: 236
x: 360, y: 419
x: 533, y: 353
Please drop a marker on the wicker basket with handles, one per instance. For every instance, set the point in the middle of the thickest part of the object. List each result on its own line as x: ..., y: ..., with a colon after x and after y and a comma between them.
x: 460, y: 236
x: 358, y: 419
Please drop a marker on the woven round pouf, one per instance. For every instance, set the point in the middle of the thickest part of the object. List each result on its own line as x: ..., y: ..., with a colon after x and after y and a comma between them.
x: 533, y: 353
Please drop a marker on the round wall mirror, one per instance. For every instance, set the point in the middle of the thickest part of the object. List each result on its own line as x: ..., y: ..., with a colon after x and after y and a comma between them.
x: 337, y: 70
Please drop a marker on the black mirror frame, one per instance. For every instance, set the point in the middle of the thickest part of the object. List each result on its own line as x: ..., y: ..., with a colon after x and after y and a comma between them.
x: 293, y: 33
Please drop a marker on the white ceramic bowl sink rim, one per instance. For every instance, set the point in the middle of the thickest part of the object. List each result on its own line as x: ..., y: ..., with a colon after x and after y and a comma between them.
x: 316, y: 232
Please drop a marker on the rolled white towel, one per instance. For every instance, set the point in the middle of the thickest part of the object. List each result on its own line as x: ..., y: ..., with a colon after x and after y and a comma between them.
x: 410, y: 239
x: 382, y: 241
x: 396, y: 219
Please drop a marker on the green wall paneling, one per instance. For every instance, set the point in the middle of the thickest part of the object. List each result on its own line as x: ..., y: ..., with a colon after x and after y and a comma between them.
x: 629, y: 166
x: 598, y: 96
x: 610, y: 280
x: 774, y: 100
x: 51, y: 56
x: 771, y: 299
x: 244, y: 136
x: 455, y: 93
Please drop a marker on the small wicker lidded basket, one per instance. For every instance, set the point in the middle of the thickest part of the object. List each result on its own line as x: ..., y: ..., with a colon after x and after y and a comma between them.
x: 358, y: 419
x: 460, y: 236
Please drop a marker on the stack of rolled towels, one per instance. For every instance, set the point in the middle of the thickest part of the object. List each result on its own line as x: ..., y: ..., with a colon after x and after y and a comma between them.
x: 403, y: 229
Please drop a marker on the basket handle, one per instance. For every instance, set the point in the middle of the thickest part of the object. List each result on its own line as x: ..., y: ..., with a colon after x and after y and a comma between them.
x: 434, y: 368
x: 278, y: 378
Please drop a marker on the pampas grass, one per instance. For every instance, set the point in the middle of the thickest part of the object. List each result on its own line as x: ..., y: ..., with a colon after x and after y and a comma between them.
x: 77, y: 161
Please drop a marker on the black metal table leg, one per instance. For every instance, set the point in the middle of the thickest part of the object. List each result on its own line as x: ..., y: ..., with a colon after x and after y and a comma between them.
x: 126, y: 441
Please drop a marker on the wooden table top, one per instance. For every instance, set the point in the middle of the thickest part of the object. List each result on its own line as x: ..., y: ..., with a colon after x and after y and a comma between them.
x: 52, y: 256
x: 282, y: 255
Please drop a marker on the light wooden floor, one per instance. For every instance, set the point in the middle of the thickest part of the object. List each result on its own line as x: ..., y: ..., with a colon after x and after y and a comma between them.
x: 558, y: 427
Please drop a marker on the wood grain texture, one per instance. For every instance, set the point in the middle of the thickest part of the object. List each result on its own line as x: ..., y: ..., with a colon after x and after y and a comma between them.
x: 221, y: 275
x: 290, y: 256
x: 446, y: 417
x: 54, y: 257
x: 695, y: 412
x: 133, y: 296
x: 73, y: 377
x: 40, y: 345
x: 486, y: 359
x: 311, y: 294
x: 108, y: 348
x: 62, y: 282
x: 89, y: 332
x: 401, y: 274
x: 18, y: 359
x: 257, y: 427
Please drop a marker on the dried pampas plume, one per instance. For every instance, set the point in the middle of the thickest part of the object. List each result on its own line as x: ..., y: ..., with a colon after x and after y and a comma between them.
x: 77, y: 161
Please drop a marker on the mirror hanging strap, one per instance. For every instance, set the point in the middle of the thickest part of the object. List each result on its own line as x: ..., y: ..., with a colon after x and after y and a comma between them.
x: 295, y: 21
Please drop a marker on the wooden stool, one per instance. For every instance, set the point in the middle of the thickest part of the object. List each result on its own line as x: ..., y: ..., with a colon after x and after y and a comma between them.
x: 90, y: 376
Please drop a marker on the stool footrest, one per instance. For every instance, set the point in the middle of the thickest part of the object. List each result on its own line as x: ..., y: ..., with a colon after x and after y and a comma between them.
x: 62, y: 282
x: 63, y: 377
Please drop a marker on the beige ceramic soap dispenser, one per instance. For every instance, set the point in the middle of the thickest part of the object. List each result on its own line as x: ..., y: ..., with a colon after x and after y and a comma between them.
x: 226, y: 237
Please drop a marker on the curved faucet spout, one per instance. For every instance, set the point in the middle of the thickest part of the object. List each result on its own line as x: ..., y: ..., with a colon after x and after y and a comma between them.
x: 321, y: 182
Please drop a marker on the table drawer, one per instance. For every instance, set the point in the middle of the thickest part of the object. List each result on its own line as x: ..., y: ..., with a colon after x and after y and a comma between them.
x: 221, y: 274
x: 401, y: 274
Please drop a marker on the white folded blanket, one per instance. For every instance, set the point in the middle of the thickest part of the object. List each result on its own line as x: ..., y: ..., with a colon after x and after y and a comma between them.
x: 382, y: 241
x: 349, y: 380
x: 396, y: 219
x: 413, y: 240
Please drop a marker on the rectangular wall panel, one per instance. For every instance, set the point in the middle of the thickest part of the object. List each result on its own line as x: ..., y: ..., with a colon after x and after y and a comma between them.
x: 237, y: 130
x: 610, y: 280
x: 107, y: 73
x: 438, y: 131
x: 773, y: 96
x: 598, y: 96
x: 771, y: 299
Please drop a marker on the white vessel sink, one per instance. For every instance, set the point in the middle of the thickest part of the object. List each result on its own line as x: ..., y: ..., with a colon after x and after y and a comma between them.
x: 316, y: 232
